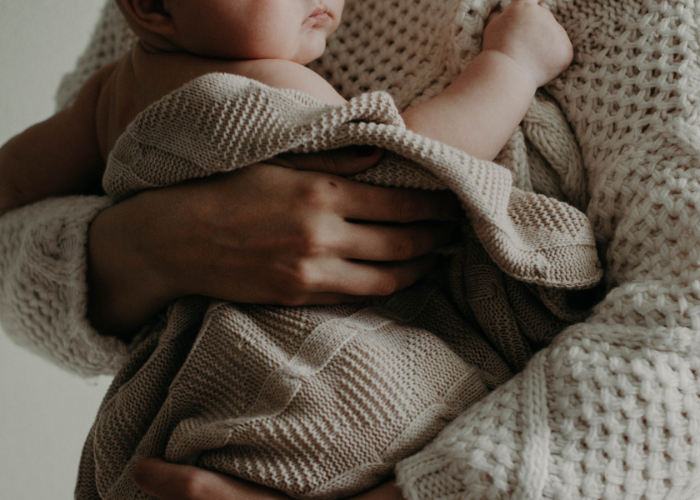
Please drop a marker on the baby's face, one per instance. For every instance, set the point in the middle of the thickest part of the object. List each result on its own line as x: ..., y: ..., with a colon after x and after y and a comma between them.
x: 294, y: 30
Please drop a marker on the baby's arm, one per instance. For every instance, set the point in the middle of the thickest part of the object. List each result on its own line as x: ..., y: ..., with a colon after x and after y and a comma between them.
x: 55, y: 157
x: 524, y: 48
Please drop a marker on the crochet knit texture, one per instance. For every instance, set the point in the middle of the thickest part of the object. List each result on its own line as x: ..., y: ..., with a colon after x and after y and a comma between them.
x: 611, y: 409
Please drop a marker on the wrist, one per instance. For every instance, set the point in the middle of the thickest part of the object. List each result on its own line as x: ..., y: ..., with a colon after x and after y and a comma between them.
x: 124, y: 291
x: 525, y: 74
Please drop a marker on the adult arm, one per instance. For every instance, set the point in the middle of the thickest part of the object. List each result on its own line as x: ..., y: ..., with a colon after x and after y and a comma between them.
x: 43, y: 293
x: 264, y: 234
x: 58, y: 156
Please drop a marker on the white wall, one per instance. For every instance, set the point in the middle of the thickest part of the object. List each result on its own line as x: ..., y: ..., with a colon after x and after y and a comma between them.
x: 45, y: 413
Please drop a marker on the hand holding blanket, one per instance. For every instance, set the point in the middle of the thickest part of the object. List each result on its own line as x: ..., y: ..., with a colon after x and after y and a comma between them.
x: 319, y: 402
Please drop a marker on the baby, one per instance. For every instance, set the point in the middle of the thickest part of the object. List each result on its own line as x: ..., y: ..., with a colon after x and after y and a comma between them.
x: 270, y: 41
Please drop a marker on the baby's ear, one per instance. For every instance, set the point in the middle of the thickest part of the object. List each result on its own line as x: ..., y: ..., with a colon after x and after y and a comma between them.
x: 150, y: 14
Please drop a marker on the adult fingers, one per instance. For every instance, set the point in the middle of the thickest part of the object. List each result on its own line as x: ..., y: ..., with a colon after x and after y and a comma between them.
x: 379, y: 242
x: 357, y: 200
x: 328, y: 298
x: 344, y: 161
x: 369, y: 279
x: 172, y: 482
x: 372, y: 203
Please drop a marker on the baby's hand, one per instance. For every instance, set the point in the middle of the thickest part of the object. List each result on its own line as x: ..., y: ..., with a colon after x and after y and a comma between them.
x: 529, y: 34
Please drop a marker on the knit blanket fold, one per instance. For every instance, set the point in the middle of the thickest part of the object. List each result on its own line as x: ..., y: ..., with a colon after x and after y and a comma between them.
x: 218, y: 123
x: 322, y: 402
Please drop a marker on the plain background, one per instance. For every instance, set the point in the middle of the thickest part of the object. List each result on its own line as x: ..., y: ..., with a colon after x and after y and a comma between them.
x: 45, y: 412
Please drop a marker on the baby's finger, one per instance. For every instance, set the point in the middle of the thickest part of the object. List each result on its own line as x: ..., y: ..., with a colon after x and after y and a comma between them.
x: 493, y: 15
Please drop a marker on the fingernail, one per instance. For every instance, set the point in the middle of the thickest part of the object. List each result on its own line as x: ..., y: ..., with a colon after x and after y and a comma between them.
x: 365, y: 151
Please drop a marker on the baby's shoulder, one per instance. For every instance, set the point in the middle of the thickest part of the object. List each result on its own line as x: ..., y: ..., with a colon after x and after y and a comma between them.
x: 284, y: 74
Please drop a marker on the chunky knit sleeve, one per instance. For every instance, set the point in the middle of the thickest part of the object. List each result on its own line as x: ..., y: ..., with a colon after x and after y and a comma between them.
x: 43, y: 258
x: 43, y: 291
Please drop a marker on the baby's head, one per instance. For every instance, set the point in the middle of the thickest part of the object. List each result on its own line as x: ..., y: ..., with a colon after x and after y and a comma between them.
x: 294, y: 30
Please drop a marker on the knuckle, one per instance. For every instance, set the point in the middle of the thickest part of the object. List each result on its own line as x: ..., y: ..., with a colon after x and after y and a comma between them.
x: 404, y: 248
x: 317, y: 194
x: 194, y: 485
x: 299, y: 279
x: 308, y: 242
x: 386, y: 286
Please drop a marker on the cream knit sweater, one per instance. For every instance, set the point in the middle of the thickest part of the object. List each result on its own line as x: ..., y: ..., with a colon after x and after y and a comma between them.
x: 611, y: 410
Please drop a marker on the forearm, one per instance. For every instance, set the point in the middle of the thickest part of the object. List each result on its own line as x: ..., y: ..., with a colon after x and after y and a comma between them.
x: 480, y: 110
x: 15, y: 190
x: 43, y: 292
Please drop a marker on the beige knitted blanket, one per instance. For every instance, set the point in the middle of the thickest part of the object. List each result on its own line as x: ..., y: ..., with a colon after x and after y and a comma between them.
x: 322, y: 402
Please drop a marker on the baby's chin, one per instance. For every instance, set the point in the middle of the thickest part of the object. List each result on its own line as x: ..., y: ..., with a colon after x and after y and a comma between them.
x: 310, y: 51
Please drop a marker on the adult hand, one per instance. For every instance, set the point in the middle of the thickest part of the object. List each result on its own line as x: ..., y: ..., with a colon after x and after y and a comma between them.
x: 263, y: 234
x: 166, y: 481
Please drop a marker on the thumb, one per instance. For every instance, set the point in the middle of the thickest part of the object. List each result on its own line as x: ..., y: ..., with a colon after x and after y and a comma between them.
x: 344, y: 161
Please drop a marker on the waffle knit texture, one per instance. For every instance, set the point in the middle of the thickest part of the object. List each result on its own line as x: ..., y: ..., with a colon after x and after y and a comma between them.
x: 611, y: 410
